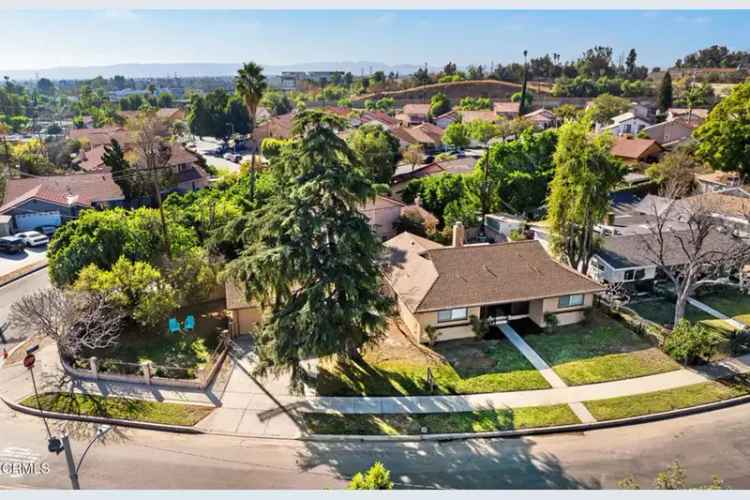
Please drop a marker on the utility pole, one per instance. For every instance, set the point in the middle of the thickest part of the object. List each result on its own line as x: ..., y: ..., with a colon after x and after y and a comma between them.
x: 72, y: 473
x: 522, y: 105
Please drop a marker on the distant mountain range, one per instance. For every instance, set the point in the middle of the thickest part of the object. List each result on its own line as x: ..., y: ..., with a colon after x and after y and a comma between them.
x: 161, y: 70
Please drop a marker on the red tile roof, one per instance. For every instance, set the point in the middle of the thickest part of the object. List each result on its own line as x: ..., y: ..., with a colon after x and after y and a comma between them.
x: 380, y: 116
x: 278, y: 127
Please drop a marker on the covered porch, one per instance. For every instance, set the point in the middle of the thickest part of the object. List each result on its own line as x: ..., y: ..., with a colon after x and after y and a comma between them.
x: 495, y: 314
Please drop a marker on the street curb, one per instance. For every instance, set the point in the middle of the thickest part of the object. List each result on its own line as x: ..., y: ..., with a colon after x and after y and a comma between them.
x: 102, y: 420
x: 9, y: 278
x: 641, y: 419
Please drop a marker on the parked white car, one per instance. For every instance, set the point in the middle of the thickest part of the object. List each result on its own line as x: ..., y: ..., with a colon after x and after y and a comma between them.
x: 33, y: 238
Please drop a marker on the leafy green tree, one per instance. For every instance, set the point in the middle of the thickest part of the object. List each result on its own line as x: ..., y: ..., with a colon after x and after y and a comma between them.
x: 517, y: 173
x: 277, y: 103
x: 689, y: 343
x: 439, y: 104
x: 131, y: 182
x: 567, y: 112
x: 475, y: 103
x: 482, y: 131
x: 413, y: 154
x: 137, y: 287
x: 377, y: 152
x: 102, y: 237
x: 456, y: 136
x: 606, y: 106
x: 165, y: 100
x: 438, y: 192
x: 376, y: 477
x: 724, y: 138
x: 45, y: 86
x: 585, y: 173
x: 665, y: 93
x: 311, y: 257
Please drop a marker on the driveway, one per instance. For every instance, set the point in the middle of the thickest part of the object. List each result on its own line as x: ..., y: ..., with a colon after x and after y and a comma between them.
x: 10, y: 263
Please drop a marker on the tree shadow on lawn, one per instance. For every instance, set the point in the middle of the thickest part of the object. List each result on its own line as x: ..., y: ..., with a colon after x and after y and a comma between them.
x: 464, y: 464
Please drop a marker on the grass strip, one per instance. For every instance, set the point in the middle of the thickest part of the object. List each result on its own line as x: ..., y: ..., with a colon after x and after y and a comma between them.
x: 120, y: 408
x: 670, y: 399
x: 439, y: 423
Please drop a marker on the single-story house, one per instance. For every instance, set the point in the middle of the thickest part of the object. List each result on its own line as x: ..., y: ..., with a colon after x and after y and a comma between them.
x: 385, y: 120
x: 499, y: 226
x: 383, y: 212
x: 52, y: 200
x: 485, y: 115
x: 632, y: 150
x: 443, y: 287
x: 168, y: 114
x: 446, y: 119
x: 507, y: 109
x: 100, y: 136
x: 699, y: 114
x: 414, y: 114
x: 542, y: 118
x: 670, y: 133
x: 278, y: 127
x: 428, y: 135
x: 404, y: 172
x: 626, y: 259
x: 717, y: 181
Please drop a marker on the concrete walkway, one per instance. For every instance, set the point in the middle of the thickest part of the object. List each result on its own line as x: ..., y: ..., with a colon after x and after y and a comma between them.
x: 716, y: 314
x: 246, y: 405
x: 544, y: 369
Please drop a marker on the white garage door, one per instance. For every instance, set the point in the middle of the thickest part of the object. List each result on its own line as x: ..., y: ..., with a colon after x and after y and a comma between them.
x: 27, y: 222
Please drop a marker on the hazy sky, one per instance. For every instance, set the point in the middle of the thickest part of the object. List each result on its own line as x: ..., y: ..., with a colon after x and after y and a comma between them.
x: 40, y: 39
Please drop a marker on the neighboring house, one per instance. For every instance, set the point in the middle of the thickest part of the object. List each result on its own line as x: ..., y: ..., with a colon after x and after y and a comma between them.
x: 627, y: 123
x: 100, y: 136
x: 499, y: 226
x: 404, y: 172
x: 507, y: 109
x: 627, y: 259
x: 380, y: 118
x: 427, y: 135
x: 632, y: 150
x: 382, y: 213
x: 717, y: 181
x: 446, y: 119
x: 414, y: 114
x: 670, y: 133
x: 278, y: 127
x: 52, y: 200
x: 485, y: 115
x: 699, y: 114
x: 542, y: 118
x: 443, y: 287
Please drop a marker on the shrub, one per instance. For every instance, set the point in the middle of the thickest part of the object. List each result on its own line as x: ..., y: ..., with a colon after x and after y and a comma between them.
x: 432, y: 334
x: 551, y: 321
x: 376, y: 478
x: 690, y: 343
x: 480, y: 326
x: 739, y: 342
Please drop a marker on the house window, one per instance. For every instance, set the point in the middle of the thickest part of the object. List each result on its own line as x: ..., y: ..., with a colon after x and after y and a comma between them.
x: 452, y: 315
x: 629, y: 275
x: 570, y: 301
x: 640, y: 274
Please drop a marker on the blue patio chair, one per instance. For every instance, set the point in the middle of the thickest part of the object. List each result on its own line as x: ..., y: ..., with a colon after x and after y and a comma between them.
x: 189, y: 323
x: 174, y: 325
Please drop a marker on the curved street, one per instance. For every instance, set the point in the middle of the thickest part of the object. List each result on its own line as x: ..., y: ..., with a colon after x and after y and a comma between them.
x: 711, y: 443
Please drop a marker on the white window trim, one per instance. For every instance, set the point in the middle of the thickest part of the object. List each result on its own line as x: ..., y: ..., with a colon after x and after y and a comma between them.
x: 569, y: 305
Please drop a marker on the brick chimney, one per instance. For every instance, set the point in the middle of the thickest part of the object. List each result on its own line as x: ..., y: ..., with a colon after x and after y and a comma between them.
x: 458, y: 234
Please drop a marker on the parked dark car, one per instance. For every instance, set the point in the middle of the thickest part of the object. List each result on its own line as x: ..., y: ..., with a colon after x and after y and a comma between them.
x: 12, y: 244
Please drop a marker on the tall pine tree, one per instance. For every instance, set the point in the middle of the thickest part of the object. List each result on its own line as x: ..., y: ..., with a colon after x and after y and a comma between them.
x: 311, y: 258
x: 665, y: 93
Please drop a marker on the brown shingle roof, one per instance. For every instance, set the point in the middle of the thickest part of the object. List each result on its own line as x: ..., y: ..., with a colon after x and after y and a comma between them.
x: 634, y: 149
x: 278, y: 127
x: 427, y: 279
x: 485, y: 115
x: 506, y: 107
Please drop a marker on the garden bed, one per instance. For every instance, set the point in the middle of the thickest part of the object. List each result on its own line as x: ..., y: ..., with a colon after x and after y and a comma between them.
x: 439, y: 423
x: 599, y: 350
x: 671, y: 399
x: 119, y: 408
x: 399, y: 367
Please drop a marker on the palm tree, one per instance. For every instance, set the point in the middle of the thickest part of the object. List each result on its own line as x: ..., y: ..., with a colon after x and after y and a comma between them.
x: 251, y: 84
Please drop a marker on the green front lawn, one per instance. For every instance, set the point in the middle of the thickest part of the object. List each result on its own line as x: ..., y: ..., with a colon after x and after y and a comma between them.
x: 731, y: 302
x: 457, y: 367
x: 672, y: 399
x: 121, y: 408
x: 439, y: 423
x: 599, y: 350
x: 662, y: 312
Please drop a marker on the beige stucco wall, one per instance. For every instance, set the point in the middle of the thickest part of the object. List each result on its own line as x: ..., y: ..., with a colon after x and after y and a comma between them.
x: 446, y: 331
x: 565, y: 316
x: 243, y: 320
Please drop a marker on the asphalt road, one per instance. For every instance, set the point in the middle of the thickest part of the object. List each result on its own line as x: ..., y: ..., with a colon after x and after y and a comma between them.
x: 706, y: 444
x: 13, y: 291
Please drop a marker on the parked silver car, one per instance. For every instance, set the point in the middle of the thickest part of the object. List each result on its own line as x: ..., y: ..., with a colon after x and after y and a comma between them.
x: 33, y: 238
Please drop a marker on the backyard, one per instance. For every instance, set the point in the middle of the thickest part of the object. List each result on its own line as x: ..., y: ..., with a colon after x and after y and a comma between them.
x: 397, y: 366
x: 599, y: 350
x: 179, y: 355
